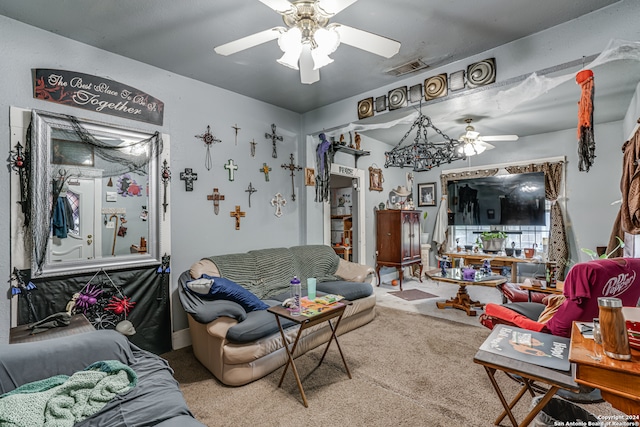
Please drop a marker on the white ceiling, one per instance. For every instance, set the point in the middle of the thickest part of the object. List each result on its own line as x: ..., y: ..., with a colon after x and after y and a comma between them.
x: 179, y: 36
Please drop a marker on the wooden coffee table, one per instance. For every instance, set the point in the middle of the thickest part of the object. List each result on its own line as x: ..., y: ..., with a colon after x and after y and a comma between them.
x: 331, y: 312
x: 462, y: 300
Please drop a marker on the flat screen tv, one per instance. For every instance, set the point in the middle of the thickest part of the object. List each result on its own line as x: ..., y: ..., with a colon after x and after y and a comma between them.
x: 512, y: 199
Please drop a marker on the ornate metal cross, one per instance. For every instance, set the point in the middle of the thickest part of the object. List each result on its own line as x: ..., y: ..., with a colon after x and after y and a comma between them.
x: 273, y: 137
x: 293, y: 168
x: 208, y: 139
x: 216, y: 197
x: 188, y: 176
x: 237, y: 214
x: 231, y: 168
x: 253, y: 147
x: 165, y: 176
x: 236, y: 128
x: 278, y: 201
x: 250, y: 190
x: 265, y: 170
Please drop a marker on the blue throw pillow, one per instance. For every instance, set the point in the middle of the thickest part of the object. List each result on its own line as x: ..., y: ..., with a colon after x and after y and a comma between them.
x: 225, y: 289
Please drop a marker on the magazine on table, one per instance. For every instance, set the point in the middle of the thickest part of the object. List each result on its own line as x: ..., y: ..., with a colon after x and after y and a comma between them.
x: 313, y: 308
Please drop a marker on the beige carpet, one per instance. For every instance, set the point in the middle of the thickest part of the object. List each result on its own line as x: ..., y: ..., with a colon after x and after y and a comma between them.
x: 408, y: 370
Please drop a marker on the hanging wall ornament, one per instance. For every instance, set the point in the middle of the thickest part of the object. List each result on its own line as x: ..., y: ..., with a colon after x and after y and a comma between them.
x: 188, y: 176
x: 208, y: 139
x: 216, y: 197
x: 273, y: 137
x: 251, y: 189
x: 324, y: 158
x: 19, y: 165
x: 110, y: 183
x: 128, y: 187
x: 586, y: 138
x: 278, y: 201
x: 237, y: 214
x: 253, y: 147
x: 265, y: 170
x: 165, y: 176
x: 231, y: 167
x: 292, y: 168
x: 163, y: 270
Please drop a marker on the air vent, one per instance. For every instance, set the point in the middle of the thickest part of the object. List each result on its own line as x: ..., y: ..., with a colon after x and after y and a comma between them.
x: 409, y: 67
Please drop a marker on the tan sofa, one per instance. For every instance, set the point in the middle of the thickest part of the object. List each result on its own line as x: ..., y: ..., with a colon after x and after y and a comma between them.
x: 238, y: 346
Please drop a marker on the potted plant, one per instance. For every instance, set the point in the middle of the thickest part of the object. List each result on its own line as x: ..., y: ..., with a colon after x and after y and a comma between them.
x: 492, y: 241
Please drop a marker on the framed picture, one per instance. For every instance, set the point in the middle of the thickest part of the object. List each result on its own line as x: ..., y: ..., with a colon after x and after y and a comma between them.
x: 75, y: 153
x: 375, y: 179
x: 427, y: 194
x: 309, y: 177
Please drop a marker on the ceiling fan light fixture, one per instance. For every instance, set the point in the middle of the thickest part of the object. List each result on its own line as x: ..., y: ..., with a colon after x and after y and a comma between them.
x: 290, y: 42
x: 471, y: 149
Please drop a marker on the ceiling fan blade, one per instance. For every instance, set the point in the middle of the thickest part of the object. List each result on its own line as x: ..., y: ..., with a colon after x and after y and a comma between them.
x: 365, y: 40
x: 307, y: 74
x: 249, y: 41
x: 280, y: 6
x: 499, y: 138
x: 486, y: 145
x: 332, y: 7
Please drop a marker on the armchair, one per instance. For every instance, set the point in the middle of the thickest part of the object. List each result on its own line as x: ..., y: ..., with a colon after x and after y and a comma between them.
x: 585, y: 282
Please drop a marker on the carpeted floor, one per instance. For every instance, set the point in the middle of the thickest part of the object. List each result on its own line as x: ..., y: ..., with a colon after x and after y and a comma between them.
x: 408, y: 369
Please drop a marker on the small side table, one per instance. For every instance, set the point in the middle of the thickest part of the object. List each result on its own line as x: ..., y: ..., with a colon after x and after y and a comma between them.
x: 77, y: 325
x: 307, y: 322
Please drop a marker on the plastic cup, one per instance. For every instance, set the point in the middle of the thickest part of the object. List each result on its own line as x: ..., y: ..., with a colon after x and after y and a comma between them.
x: 311, y: 288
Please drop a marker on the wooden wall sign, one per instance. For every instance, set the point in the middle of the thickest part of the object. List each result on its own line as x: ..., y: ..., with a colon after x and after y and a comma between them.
x: 96, y: 94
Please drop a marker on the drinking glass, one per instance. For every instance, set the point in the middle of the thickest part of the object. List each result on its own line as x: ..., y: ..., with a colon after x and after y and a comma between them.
x: 597, y: 340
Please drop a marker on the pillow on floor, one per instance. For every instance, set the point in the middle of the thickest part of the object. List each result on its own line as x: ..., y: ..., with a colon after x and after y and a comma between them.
x: 217, y: 288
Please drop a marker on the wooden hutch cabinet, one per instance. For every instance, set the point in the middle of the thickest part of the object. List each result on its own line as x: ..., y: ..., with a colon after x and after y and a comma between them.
x: 397, y: 240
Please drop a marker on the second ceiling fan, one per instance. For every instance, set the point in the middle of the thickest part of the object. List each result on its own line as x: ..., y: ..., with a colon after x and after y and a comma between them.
x: 309, y: 38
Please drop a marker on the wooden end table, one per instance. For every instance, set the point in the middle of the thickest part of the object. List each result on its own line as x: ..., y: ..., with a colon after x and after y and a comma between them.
x: 618, y: 380
x: 545, y: 290
x: 333, y: 311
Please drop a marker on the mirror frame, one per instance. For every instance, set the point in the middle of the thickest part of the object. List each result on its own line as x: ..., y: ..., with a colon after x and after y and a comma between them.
x: 43, y: 123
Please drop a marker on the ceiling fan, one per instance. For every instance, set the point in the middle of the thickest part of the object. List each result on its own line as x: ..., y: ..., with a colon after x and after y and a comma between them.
x: 474, y: 143
x: 308, y: 38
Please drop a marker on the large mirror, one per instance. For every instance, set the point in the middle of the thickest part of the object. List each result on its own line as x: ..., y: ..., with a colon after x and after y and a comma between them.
x: 94, y: 196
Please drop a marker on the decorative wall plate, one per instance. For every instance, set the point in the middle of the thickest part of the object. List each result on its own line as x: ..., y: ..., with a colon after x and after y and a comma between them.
x: 481, y: 73
x: 397, y: 98
x: 456, y: 80
x: 435, y: 87
x: 381, y: 103
x: 365, y: 108
x: 415, y: 93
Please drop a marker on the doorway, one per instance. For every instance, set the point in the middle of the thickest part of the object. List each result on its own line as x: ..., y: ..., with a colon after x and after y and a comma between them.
x: 344, y: 213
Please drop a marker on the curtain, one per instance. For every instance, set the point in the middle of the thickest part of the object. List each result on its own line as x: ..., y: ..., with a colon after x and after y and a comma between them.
x: 628, y: 219
x: 558, y: 251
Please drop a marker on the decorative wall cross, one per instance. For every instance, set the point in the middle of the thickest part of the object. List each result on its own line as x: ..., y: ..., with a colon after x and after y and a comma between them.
x: 231, y: 168
x: 165, y: 176
x: 278, y: 201
x: 216, y: 197
x: 208, y: 139
x: 253, y: 147
x: 236, y: 128
x: 188, y: 176
x: 293, y: 168
x: 273, y: 137
x: 237, y: 214
x: 251, y: 189
x: 265, y: 170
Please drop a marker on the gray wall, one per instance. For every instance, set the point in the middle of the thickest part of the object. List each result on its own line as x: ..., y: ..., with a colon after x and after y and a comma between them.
x: 190, y: 106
